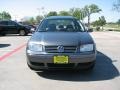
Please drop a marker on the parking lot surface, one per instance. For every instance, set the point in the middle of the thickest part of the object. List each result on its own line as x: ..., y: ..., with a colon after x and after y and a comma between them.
x: 15, y: 74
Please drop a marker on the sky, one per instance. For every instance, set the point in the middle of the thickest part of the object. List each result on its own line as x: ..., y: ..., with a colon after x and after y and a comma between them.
x: 28, y: 8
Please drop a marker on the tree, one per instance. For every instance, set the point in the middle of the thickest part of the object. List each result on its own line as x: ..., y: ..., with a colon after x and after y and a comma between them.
x: 39, y: 18
x: 118, y: 22
x: 95, y: 23
x: 52, y: 13
x: 32, y: 21
x: 5, y: 16
x: 116, y: 6
x: 78, y: 13
x: 64, y: 13
x: 100, y: 22
x: 89, y: 10
x: 83, y: 14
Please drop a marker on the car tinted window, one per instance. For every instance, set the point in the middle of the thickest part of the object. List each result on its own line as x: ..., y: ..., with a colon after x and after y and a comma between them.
x: 68, y: 25
x: 11, y: 23
x: 3, y: 23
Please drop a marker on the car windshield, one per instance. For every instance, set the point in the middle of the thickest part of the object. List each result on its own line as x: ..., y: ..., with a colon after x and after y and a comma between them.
x: 19, y: 23
x: 66, y: 25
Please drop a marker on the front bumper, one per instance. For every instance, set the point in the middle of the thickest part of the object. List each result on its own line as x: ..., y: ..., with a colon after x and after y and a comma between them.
x: 45, y: 61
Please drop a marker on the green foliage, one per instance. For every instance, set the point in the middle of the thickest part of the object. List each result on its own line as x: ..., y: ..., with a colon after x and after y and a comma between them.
x: 39, y: 18
x: 95, y: 23
x: 52, y: 13
x: 78, y: 13
x: 64, y: 13
x: 100, y: 22
x: 33, y: 21
x: 30, y: 21
x: 83, y: 14
x: 118, y: 22
x: 91, y: 9
x: 113, y: 26
x: 5, y: 16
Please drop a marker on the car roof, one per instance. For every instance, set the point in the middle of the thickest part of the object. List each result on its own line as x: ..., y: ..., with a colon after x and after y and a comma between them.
x: 5, y: 20
x: 60, y: 17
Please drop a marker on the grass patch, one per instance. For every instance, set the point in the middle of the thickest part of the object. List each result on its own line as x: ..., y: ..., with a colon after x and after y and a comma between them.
x: 109, y: 27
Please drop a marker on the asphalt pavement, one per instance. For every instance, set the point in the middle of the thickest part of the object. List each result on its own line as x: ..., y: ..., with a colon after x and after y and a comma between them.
x: 15, y: 74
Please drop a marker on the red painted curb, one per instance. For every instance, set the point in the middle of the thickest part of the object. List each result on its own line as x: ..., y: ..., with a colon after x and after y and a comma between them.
x: 12, y: 52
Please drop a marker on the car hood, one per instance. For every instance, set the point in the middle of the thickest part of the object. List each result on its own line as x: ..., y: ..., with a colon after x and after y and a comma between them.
x: 62, y: 38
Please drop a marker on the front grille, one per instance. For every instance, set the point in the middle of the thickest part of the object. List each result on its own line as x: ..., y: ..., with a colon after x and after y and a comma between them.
x: 67, y: 49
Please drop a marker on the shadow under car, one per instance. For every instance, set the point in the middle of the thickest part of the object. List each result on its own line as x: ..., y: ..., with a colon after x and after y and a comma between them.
x: 103, y: 70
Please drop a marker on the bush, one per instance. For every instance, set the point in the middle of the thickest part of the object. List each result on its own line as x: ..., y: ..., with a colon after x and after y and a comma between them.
x: 98, y: 28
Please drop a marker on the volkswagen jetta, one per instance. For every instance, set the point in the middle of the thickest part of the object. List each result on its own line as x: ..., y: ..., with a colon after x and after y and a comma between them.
x: 61, y: 42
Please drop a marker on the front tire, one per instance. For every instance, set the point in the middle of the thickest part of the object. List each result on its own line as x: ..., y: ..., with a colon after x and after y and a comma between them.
x: 22, y: 33
x: 2, y: 34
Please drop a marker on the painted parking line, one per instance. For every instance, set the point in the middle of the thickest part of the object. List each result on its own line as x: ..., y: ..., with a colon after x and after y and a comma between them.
x: 12, y: 52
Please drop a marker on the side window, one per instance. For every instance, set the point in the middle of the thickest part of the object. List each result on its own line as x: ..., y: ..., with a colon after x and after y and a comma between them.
x: 0, y: 23
x: 3, y: 23
x: 11, y: 23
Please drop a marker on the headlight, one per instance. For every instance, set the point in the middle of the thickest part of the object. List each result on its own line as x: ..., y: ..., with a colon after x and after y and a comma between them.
x: 32, y: 46
x: 86, y: 48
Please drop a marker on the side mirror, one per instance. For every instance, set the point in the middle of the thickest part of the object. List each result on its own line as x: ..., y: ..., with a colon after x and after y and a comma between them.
x: 90, y: 30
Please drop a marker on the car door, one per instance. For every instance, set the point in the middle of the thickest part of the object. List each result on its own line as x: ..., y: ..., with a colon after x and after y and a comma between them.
x: 12, y: 26
x: 1, y: 26
x: 4, y: 27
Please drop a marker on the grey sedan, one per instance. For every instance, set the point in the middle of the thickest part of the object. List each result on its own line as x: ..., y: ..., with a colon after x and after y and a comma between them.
x: 61, y: 42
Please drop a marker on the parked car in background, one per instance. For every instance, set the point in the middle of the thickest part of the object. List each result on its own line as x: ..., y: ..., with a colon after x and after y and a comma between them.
x: 32, y: 28
x: 61, y: 42
x: 12, y: 27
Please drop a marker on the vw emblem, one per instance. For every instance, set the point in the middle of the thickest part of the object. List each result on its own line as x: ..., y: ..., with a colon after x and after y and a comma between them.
x: 60, y: 49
